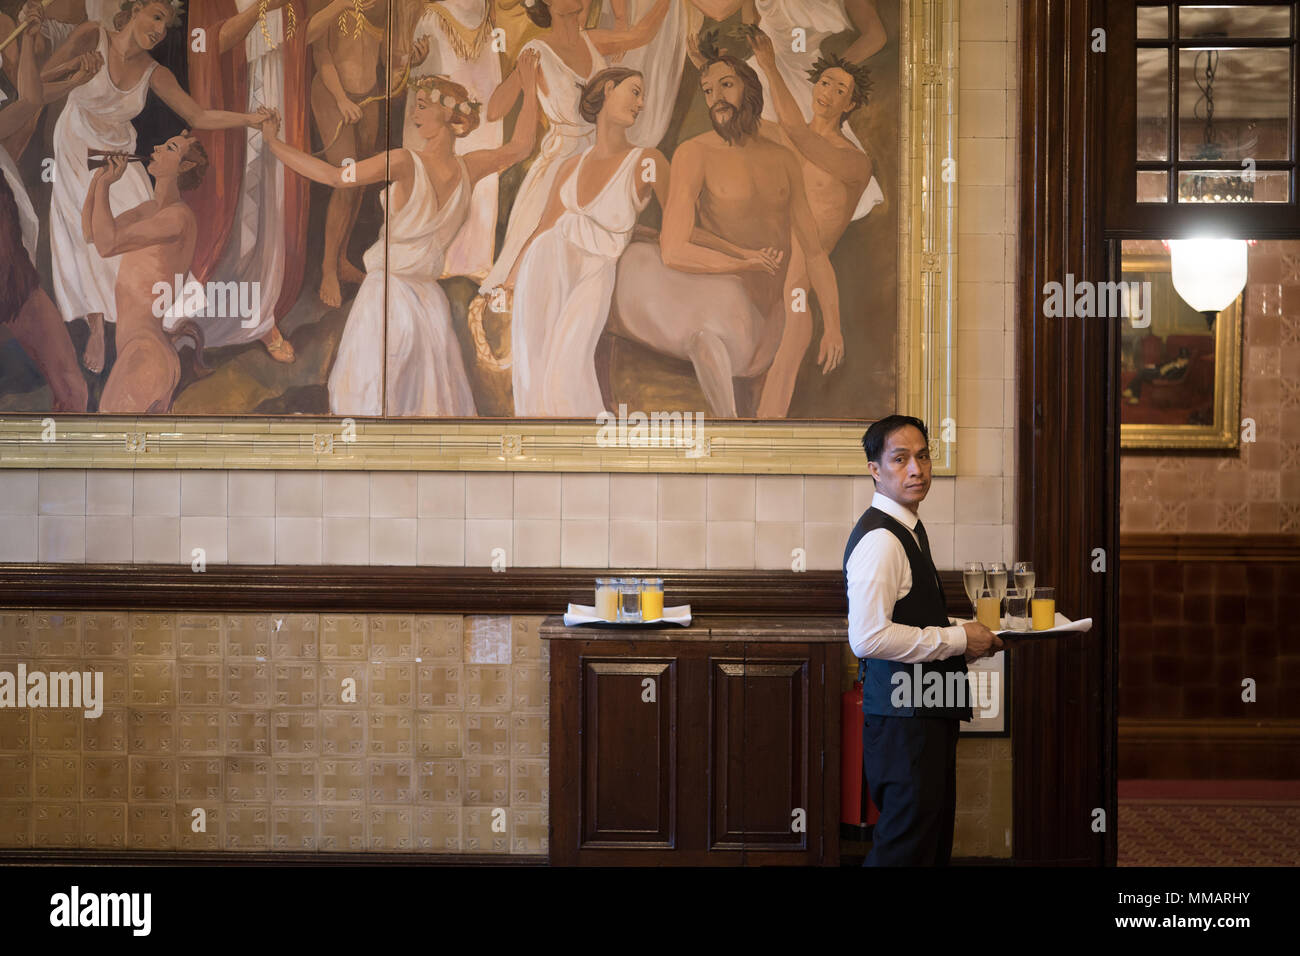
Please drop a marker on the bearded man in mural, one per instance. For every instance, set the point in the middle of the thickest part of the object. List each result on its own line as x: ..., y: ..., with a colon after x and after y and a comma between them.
x: 725, y: 311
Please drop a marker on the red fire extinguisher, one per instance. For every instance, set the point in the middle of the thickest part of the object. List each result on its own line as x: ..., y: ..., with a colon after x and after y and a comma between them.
x: 856, y: 808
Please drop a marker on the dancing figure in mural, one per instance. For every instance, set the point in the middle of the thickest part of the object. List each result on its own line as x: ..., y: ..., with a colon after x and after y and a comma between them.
x: 155, y: 241
x: 399, y: 354
x: 566, y: 274
x: 97, y: 117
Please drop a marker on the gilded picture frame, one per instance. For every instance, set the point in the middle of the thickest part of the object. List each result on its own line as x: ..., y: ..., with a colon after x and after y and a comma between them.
x: 1201, y: 409
x: 926, y: 363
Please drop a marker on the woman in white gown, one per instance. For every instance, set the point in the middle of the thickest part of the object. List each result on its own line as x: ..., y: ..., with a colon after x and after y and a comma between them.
x: 566, y: 275
x: 569, y: 57
x: 399, y: 354
x: 660, y: 63
x: 98, y: 116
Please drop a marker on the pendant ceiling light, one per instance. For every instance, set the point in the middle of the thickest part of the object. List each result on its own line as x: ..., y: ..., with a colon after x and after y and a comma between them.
x: 1209, y: 274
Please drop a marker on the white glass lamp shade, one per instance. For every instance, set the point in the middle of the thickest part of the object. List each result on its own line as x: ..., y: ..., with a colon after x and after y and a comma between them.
x: 1208, y: 273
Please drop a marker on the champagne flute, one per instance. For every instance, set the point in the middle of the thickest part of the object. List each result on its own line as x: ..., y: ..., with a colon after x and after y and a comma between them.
x: 997, y: 578
x: 1024, y: 572
x: 973, y: 580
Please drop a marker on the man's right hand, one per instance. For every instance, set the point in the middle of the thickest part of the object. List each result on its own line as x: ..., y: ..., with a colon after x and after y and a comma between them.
x: 980, y: 641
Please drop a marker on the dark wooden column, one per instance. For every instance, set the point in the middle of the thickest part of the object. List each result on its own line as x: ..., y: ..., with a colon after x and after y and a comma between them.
x: 1063, y: 702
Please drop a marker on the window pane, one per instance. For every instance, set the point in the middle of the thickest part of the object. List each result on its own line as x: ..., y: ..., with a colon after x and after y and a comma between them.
x: 1153, y: 23
x: 1152, y: 186
x: 1234, y: 104
x: 1220, y: 186
x: 1233, y: 21
x: 1152, y: 104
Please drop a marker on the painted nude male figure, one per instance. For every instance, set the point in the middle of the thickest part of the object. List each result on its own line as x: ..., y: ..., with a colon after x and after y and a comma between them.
x: 156, y: 242
x: 721, y: 304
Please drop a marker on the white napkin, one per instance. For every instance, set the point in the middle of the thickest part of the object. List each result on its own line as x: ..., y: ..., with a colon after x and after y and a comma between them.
x: 585, y: 614
x: 1063, y: 625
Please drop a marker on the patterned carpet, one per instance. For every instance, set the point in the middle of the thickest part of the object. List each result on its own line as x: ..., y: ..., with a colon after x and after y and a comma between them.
x: 1209, y: 823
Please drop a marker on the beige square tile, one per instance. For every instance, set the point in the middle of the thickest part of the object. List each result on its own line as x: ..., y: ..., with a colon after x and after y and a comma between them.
x: 978, y: 542
x: 537, y: 496
x: 250, y: 540
x: 824, y: 544
x: 151, y: 828
x: 529, y: 783
x: 828, y: 498
x: 489, y: 495
x: 537, y: 542
x: 56, y: 635
x: 482, y: 833
x: 342, y: 734
x: 393, y: 494
x: 346, y: 540
x: 392, y: 541
x: 730, y: 497
x: 295, y: 732
x: 18, y: 538
x: 103, y: 777
x: 151, y: 731
x: 203, y: 541
x: 295, y: 636
x: 103, y: 634
x: 247, y: 779
x: 61, y: 492
x: 103, y: 826
x: 981, y: 402
x: 104, y: 735
x: 203, y: 493
x: 438, y: 782
x: 391, y: 828
x: 980, y: 451
x: 293, y: 780
x: 682, y: 498
x: 633, y: 544
x: 298, y: 494
x: 199, y: 732
x: 56, y: 777
x: 295, y: 684
x: 294, y: 829
x: 681, y: 544
x: 730, y: 544
x: 775, y: 543
x: 248, y: 636
x: 152, y: 779
x: 108, y: 539
x: 440, y: 541
x: 439, y: 638
x: 343, y: 638
x: 156, y: 539
x: 18, y: 492
x: 978, y: 500
x: 584, y: 543
x: 251, y: 494
x: 584, y: 496
x: 343, y: 828
x: 345, y: 494
x: 56, y: 825
x: 156, y: 493
x: 488, y: 540
x: 247, y: 827
x: 486, y: 781
x: 440, y: 495
x: 438, y: 686
x: 153, y: 683
x: 633, y: 497
x: 438, y: 829
x: 530, y: 735
x: 390, y: 780
x: 298, y: 540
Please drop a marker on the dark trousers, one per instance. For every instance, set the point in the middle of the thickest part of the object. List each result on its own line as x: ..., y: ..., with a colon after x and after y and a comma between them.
x: 911, y: 769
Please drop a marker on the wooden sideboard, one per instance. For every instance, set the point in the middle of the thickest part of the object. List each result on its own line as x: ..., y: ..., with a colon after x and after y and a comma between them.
x: 716, y: 744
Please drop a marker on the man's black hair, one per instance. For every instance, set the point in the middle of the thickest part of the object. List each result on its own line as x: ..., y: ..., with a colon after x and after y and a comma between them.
x: 873, y: 439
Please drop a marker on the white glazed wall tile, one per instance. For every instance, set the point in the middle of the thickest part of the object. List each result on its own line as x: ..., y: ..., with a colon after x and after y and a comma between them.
x: 980, y: 304
x: 298, y: 494
x: 633, y: 497
x: 729, y: 544
x: 206, y: 532
x: 250, y: 539
x: 298, y: 540
x: 203, y: 494
x: 393, y: 495
x: 440, y: 541
x: 345, y: 494
x: 978, y: 542
x: 18, y: 536
x: 345, y: 540
x: 108, y: 539
x: 392, y: 540
x: 440, y: 494
x: 482, y: 536
x: 829, y: 498
x: 775, y: 542
x: 978, y: 500
x: 156, y: 539
x: 537, y: 496
x: 682, y: 498
x: 729, y: 498
x: 681, y: 543
x: 250, y: 493
x: 980, y: 451
x: 61, y: 539
x: 779, y: 498
x: 489, y: 495
x: 584, y: 542
x: 537, y: 540
x: 937, y: 508
x: 864, y: 489
x: 107, y: 492
x: 61, y: 492
x: 584, y: 496
x: 18, y: 493
x: 157, y: 493
x: 633, y: 544
x: 824, y: 543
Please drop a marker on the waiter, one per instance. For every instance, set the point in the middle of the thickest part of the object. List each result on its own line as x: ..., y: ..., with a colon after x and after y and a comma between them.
x: 897, y: 618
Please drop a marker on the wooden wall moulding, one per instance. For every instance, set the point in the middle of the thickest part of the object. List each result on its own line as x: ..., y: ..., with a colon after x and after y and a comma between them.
x: 417, y: 590
x: 1237, y: 548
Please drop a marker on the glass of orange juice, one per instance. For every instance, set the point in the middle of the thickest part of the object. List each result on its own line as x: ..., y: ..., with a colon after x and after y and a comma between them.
x: 1043, y: 608
x: 652, y: 599
x: 987, y: 608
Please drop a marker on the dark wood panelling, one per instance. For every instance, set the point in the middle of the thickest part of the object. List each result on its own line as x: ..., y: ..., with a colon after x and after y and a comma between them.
x: 1235, y: 548
x: 343, y: 589
x: 1067, y: 443
x: 1209, y: 749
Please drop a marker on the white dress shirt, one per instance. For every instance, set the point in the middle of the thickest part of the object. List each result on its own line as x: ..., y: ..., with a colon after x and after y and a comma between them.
x: 879, y: 575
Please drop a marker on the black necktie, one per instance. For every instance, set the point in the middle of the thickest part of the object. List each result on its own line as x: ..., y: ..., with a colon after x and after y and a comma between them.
x: 924, y: 539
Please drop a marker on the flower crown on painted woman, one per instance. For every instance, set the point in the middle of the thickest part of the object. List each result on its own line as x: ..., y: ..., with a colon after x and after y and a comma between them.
x: 428, y: 84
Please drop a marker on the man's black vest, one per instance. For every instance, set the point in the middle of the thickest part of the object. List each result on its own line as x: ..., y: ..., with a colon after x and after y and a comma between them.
x: 923, y: 606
